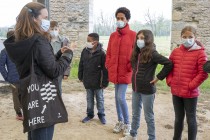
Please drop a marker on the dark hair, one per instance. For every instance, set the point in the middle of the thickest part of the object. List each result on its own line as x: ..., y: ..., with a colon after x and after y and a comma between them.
x: 10, y: 33
x: 145, y: 52
x: 25, y: 26
x: 95, y: 36
x: 53, y: 24
x: 125, y: 11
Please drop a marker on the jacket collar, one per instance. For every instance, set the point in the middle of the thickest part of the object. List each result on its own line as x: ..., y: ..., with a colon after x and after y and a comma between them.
x: 193, y: 48
x: 122, y: 31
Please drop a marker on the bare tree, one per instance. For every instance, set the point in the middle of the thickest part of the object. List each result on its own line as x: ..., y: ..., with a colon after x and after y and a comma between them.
x: 104, y: 25
x: 151, y: 21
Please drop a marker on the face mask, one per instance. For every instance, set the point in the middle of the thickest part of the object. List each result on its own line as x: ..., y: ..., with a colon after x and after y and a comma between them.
x: 188, y: 42
x: 140, y: 43
x: 120, y: 24
x: 45, y: 25
x: 89, y: 45
x: 54, y: 33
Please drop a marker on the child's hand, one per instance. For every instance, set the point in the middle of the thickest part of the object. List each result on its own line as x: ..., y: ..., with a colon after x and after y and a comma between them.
x: 154, y: 81
x: 65, y: 77
x: 65, y: 48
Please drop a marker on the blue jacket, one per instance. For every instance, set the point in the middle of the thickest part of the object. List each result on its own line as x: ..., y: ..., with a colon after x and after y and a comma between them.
x: 7, y: 68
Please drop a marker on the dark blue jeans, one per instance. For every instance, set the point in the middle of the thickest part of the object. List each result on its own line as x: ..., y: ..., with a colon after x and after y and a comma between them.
x: 45, y: 133
x: 90, y: 102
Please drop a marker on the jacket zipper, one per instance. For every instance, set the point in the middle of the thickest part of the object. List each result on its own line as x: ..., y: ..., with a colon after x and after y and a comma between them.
x: 137, y: 69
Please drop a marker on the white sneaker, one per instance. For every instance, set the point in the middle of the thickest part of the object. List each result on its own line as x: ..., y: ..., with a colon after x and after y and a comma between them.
x: 129, y: 137
x: 118, y: 127
x: 127, y: 128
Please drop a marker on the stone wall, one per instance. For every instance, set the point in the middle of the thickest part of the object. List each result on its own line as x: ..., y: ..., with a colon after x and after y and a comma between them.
x: 74, y: 17
x: 191, y: 12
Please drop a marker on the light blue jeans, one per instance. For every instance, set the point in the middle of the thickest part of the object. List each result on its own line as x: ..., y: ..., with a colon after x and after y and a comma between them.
x: 90, y: 102
x: 148, y: 101
x: 121, y: 105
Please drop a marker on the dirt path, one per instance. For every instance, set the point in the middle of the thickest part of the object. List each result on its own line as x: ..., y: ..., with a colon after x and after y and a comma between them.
x: 75, y: 101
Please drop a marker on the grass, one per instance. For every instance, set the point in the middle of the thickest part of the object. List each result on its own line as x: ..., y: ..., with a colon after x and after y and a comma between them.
x: 163, y: 47
x: 74, y: 69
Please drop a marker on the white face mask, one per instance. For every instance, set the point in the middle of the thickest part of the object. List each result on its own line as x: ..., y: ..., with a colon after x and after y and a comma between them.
x: 54, y: 33
x: 45, y: 25
x: 120, y: 24
x: 188, y: 42
x: 140, y: 43
x: 89, y: 45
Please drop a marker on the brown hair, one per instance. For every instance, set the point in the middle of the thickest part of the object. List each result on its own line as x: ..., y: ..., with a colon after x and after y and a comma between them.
x: 25, y: 26
x: 145, y: 52
x: 193, y: 30
x: 188, y: 28
x: 10, y: 33
x: 53, y: 24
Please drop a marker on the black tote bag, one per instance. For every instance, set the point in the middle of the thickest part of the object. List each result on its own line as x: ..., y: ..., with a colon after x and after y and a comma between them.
x: 42, y: 104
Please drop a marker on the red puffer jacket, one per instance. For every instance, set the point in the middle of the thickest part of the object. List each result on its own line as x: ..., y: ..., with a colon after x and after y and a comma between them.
x: 187, y: 73
x: 118, y: 55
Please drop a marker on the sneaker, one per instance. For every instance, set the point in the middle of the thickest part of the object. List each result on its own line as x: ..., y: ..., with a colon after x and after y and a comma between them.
x: 118, y: 127
x: 129, y: 137
x: 86, y: 119
x: 102, y: 119
x: 127, y: 128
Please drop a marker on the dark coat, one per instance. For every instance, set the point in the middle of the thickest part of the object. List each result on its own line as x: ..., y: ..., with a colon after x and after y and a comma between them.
x: 7, y: 68
x: 44, y: 58
x: 206, y: 67
x: 143, y: 73
x: 92, y: 69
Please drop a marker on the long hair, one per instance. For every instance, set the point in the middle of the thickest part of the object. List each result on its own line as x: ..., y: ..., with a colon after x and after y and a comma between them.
x: 25, y: 26
x: 145, y: 52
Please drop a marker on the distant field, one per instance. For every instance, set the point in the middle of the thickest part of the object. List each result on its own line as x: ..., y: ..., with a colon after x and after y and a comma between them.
x: 162, y: 44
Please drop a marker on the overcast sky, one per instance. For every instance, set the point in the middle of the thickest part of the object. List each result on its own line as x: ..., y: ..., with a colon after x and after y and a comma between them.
x: 9, y: 9
x: 138, y: 8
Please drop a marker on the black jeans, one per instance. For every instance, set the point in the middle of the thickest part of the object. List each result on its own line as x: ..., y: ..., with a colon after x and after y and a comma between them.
x: 184, y: 106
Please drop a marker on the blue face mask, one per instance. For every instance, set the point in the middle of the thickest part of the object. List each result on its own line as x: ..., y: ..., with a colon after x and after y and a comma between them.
x: 120, y: 24
x: 140, y: 43
x: 45, y: 25
x: 188, y: 42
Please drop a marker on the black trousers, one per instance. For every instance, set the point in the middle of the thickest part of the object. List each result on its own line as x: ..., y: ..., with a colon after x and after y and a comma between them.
x: 184, y: 106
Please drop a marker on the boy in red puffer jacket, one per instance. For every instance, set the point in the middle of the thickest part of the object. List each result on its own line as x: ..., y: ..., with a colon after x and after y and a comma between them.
x: 185, y: 78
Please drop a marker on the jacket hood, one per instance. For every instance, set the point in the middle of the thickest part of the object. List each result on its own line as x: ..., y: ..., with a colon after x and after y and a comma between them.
x: 18, y: 51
